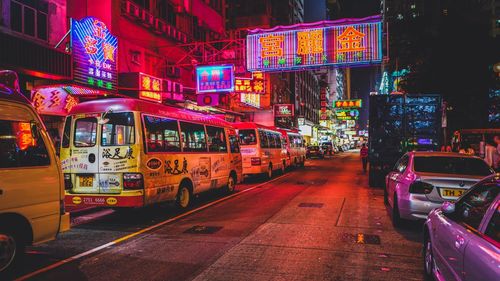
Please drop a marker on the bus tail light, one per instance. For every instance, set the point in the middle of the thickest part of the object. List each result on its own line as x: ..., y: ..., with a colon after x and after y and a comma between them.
x: 133, y: 181
x: 256, y: 161
x: 68, y: 184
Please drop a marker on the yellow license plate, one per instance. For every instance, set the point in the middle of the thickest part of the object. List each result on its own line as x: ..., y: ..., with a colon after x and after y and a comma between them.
x: 448, y: 192
x: 86, y: 181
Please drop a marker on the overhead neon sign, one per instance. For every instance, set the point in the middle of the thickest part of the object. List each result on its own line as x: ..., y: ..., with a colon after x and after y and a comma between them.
x: 94, y: 54
x: 218, y: 78
x: 255, y: 84
x: 343, y: 104
x: 344, y: 42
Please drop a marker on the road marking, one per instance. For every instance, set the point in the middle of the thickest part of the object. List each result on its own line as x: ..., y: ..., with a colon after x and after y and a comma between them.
x: 129, y: 236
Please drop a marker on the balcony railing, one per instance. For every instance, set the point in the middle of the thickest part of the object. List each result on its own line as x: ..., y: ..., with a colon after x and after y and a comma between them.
x: 155, y: 24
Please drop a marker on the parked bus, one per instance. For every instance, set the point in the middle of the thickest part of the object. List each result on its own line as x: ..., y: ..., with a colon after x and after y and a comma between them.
x: 295, y: 148
x: 31, y: 186
x: 262, y: 149
x: 133, y: 153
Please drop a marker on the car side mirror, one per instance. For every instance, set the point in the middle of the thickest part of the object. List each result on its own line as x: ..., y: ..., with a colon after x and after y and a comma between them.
x: 448, y: 208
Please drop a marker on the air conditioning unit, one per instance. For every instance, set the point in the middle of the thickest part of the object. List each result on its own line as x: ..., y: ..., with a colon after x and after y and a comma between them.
x: 147, y: 18
x: 131, y: 10
x: 174, y: 72
x: 160, y: 26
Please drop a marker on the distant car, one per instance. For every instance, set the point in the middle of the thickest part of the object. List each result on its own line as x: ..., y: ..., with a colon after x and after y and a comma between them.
x: 314, y: 151
x: 327, y: 148
x: 422, y: 181
x: 462, y: 239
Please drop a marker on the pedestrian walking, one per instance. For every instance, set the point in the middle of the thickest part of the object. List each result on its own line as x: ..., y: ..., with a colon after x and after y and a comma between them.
x: 364, y: 156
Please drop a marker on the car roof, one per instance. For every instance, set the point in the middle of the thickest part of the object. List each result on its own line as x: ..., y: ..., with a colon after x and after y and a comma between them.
x: 440, y: 154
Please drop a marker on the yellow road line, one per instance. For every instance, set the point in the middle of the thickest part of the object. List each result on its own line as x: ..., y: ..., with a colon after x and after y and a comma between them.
x: 129, y: 236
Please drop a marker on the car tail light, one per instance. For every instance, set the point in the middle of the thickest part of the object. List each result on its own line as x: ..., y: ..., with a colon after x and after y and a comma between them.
x: 133, y: 181
x: 420, y: 187
x: 68, y: 184
x: 256, y: 161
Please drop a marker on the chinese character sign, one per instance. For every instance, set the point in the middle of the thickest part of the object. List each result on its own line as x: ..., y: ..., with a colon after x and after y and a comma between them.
x: 256, y: 84
x: 94, y: 54
x: 357, y: 103
x: 218, y: 78
x: 347, y: 114
x: 340, y: 43
x: 150, y: 87
x: 53, y: 101
x: 283, y: 110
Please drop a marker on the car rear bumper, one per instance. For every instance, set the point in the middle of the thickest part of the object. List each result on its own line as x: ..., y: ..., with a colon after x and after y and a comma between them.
x: 416, y: 207
x: 104, y: 200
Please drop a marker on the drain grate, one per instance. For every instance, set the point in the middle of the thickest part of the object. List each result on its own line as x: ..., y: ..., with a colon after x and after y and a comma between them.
x: 200, y: 229
x: 311, y: 205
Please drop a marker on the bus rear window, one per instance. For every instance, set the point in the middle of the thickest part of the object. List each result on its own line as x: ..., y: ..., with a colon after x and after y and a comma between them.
x: 118, y: 130
x: 85, y: 132
x: 247, y: 137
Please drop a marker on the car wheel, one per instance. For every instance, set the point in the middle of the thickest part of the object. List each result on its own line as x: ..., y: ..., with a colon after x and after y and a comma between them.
x: 231, y: 183
x: 428, y: 260
x: 11, y: 249
x: 396, y: 217
x: 183, y: 197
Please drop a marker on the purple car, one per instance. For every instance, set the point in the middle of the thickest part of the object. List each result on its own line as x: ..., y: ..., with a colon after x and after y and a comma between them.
x: 462, y: 239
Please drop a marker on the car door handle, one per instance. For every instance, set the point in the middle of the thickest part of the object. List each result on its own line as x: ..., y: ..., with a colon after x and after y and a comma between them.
x: 459, y: 241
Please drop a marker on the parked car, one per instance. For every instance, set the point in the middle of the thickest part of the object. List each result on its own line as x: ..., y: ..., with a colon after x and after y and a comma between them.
x: 32, y: 184
x: 314, y: 151
x: 327, y: 148
x: 422, y: 181
x: 462, y: 239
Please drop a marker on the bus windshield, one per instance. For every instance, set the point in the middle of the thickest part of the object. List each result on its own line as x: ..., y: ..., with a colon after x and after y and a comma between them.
x: 247, y: 137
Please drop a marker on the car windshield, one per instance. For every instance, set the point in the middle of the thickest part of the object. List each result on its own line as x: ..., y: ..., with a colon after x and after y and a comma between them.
x: 247, y: 137
x: 451, y: 165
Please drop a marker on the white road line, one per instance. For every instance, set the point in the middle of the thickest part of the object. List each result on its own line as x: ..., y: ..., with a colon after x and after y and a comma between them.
x: 129, y: 236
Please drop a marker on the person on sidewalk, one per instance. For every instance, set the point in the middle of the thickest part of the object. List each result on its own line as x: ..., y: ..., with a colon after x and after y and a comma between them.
x: 364, y: 156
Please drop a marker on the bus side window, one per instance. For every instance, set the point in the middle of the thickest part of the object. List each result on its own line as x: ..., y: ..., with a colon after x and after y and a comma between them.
x: 234, y: 144
x: 162, y: 134
x: 264, y: 142
x: 216, y: 139
x: 193, y: 137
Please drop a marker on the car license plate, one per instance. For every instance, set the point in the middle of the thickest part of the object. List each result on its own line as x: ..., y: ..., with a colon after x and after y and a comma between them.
x: 449, y: 192
x: 86, y: 181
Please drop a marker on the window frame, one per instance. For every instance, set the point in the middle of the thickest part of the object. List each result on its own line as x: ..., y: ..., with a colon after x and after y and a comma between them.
x: 145, y: 133
x: 96, y: 132
x: 113, y: 134
x: 225, y: 139
x: 182, y: 138
x: 36, y: 12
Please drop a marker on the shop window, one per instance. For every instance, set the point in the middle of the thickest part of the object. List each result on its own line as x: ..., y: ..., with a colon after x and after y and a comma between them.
x: 216, y: 139
x: 85, y: 132
x: 21, y: 145
x: 118, y: 130
x: 193, y: 137
x: 162, y: 134
x: 29, y: 18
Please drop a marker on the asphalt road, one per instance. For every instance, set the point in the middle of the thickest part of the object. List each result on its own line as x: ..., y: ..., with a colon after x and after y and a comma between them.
x: 321, y: 222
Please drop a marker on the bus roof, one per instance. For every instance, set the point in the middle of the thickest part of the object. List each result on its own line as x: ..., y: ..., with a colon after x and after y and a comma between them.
x: 156, y: 109
x: 252, y: 125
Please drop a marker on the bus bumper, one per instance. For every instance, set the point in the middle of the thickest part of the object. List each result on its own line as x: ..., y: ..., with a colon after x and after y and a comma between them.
x: 79, y: 200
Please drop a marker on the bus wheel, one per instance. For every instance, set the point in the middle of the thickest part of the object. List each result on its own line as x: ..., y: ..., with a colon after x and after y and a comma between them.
x: 231, y: 183
x: 269, y: 174
x: 183, y: 196
x: 11, y: 249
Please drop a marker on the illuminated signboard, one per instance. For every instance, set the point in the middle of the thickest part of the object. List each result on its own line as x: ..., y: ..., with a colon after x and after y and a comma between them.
x: 255, y: 84
x: 251, y: 99
x: 53, y: 101
x: 358, y: 103
x: 283, y: 110
x: 150, y: 87
x: 94, y: 54
x: 347, y: 114
x: 218, y: 78
x: 343, y: 42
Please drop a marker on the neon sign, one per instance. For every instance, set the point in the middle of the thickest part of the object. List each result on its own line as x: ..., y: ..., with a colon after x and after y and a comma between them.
x: 343, y: 42
x: 94, y: 54
x: 283, y: 110
x: 251, y: 99
x: 254, y: 85
x: 347, y: 114
x: 215, y: 78
x: 150, y: 88
x: 343, y: 104
x: 53, y: 101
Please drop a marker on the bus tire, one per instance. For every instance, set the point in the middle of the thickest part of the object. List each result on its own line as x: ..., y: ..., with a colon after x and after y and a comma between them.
x: 11, y: 249
x: 231, y: 183
x: 184, y: 195
x: 283, y: 167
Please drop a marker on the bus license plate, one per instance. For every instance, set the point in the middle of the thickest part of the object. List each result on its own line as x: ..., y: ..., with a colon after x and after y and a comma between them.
x: 448, y: 192
x: 86, y: 181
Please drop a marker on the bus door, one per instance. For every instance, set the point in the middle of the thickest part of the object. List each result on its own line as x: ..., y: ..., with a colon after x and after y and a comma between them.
x: 83, y: 161
x: 117, y: 152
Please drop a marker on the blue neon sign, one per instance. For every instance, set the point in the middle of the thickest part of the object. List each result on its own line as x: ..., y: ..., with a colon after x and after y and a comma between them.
x: 218, y: 78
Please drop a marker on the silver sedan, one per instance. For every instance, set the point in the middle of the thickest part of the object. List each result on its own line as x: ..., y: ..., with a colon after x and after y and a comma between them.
x: 422, y: 181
